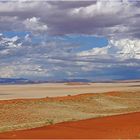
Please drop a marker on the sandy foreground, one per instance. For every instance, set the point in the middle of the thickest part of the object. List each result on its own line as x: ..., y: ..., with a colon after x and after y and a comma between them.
x: 83, y: 110
x: 114, y: 127
x: 62, y: 89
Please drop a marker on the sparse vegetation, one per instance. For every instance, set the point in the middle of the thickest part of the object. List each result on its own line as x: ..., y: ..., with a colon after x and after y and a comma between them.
x: 50, y: 121
x: 33, y: 113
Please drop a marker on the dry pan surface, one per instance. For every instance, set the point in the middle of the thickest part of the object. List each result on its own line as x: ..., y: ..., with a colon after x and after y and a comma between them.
x: 63, y: 89
x: 22, y: 114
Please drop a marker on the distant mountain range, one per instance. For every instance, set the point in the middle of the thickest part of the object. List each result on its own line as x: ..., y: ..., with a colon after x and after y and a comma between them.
x: 15, y: 81
x: 26, y: 81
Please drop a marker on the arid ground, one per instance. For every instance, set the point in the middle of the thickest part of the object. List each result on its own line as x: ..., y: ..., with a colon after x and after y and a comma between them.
x: 63, y: 89
x: 125, y: 126
x: 101, y: 110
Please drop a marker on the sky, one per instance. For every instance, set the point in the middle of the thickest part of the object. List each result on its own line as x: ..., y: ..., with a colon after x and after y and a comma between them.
x: 61, y: 39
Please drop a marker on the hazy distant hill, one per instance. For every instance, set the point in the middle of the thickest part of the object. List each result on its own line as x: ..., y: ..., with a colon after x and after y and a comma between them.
x: 14, y: 81
x: 26, y: 81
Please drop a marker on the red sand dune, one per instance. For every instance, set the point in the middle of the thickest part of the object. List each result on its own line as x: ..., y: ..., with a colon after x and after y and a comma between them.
x: 119, y: 126
x: 61, y: 98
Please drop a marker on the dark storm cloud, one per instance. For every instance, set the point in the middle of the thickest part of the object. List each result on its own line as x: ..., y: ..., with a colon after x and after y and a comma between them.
x: 76, y: 17
x: 98, y: 18
x: 72, y: 4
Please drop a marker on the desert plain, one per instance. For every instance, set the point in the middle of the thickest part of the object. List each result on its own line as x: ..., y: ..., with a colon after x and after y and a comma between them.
x: 70, y: 110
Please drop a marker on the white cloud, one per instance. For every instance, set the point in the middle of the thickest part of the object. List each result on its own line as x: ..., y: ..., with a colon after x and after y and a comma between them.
x: 28, y: 38
x: 119, y: 49
x: 7, y: 71
x: 97, y: 9
x: 35, y: 25
x: 22, y: 70
x: 51, y: 60
x: 7, y: 45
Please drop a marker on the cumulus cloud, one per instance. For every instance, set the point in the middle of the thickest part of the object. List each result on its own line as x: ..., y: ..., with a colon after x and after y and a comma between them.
x: 53, y: 60
x: 31, y: 60
x: 6, y: 72
x: 43, y: 52
x: 109, y: 18
x: 22, y: 70
x: 7, y: 45
x: 119, y: 49
x: 35, y: 25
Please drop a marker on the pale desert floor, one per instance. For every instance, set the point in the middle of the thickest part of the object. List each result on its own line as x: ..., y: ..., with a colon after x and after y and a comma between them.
x: 62, y: 89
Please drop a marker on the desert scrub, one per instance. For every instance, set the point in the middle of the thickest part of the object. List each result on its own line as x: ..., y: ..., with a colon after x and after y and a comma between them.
x: 68, y: 95
x: 72, y: 119
x: 49, y: 121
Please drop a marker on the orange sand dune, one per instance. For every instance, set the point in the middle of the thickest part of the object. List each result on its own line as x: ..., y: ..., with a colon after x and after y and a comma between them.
x: 119, y: 126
